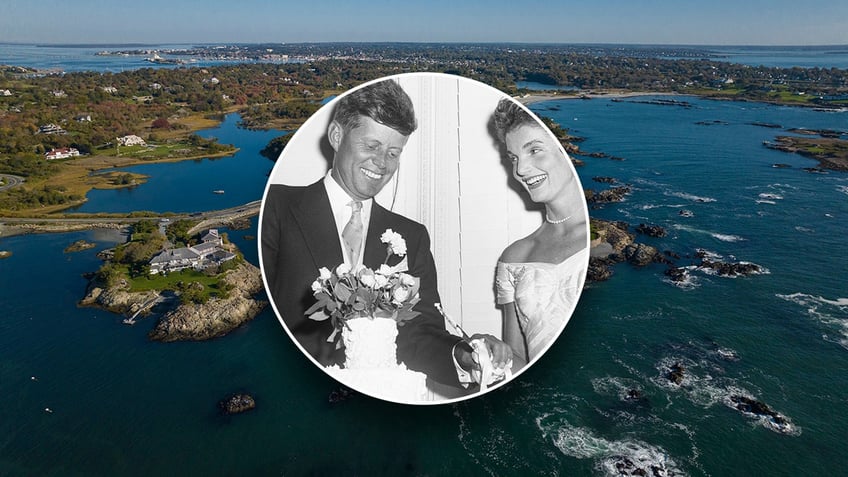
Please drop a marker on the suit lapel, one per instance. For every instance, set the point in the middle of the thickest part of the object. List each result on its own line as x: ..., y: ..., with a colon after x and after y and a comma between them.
x: 315, y: 218
x: 375, y: 250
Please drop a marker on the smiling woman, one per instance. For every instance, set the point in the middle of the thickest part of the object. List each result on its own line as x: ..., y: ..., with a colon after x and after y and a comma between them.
x: 444, y: 169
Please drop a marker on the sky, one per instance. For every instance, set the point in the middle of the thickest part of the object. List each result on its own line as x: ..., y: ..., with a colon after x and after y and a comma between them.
x: 715, y: 22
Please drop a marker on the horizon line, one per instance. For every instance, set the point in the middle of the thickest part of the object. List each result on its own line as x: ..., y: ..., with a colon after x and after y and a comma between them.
x: 535, y: 43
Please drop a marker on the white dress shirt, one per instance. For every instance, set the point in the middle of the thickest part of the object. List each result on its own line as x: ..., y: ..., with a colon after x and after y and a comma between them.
x: 340, y: 205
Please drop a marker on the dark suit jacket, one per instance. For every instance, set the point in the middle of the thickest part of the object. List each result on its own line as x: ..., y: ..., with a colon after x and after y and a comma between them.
x: 298, y: 236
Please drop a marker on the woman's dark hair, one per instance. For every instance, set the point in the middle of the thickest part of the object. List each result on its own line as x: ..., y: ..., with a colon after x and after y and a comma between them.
x: 385, y: 102
x: 508, y: 116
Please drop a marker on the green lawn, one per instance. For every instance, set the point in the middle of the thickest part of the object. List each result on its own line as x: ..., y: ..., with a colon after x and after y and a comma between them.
x: 169, y: 281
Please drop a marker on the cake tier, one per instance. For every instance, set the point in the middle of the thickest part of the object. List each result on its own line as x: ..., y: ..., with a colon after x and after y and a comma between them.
x: 370, y: 343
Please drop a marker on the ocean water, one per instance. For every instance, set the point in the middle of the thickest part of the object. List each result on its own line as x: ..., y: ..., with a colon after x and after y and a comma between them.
x: 122, y: 405
x: 185, y: 187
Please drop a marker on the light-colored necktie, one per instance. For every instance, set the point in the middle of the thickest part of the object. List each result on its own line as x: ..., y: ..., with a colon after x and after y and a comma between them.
x: 352, y: 233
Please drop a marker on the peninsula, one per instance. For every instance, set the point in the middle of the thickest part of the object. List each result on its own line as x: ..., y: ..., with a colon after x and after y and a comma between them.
x: 198, y: 284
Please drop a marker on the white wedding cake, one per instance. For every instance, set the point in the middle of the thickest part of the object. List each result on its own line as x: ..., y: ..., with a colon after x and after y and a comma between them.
x: 371, y: 364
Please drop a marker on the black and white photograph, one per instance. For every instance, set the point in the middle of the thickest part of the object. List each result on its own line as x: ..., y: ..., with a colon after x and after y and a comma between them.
x: 423, y: 238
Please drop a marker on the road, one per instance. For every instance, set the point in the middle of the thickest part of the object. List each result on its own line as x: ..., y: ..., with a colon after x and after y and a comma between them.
x: 11, y: 225
x: 9, y: 181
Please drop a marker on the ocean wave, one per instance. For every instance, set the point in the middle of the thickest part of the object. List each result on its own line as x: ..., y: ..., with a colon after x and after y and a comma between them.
x: 831, y: 313
x: 770, y: 196
x: 687, y: 196
x: 703, y: 389
x: 667, y: 190
x: 659, y: 206
x: 615, y: 458
x: 761, y: 201
x: 804, y: 229
x: 843, y: 189
x: 622, y: 388
x: 716, y: 235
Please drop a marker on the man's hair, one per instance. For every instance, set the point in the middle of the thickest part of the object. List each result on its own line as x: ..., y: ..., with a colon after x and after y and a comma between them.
x: 509, y: 116
x: 385, y: 102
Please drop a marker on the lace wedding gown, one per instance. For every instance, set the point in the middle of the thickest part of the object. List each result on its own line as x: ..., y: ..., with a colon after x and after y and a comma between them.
x: 544, y: 294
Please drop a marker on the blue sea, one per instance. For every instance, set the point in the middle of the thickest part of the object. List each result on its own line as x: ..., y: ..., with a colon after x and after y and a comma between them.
x: 122, y: 405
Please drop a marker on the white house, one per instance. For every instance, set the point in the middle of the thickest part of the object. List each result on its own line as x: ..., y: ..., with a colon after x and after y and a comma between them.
x: 61, y: 153
x: 198, y: 257
x: 51, y: 129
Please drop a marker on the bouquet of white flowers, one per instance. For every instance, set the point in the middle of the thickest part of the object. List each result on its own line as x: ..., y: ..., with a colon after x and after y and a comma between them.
x: 388, y: 292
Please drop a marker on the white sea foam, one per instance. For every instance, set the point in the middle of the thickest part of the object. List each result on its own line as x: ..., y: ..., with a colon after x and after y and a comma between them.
x: 727, y: 237
x: 770, y: 202
x: 659, y: 206
x: 831, y: 313
x: 843, y: 189
x: 689, y: 281
x: 804, y: 229
x: 687, y: 196
x: 715, y: 235
x: 770, y: 196
x: 615, y: 458
x: 703, y: 389
x: 615, y: 386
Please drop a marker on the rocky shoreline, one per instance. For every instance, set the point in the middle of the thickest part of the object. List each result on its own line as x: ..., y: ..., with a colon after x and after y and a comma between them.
x: 187, y: 322
x: 217, y: 317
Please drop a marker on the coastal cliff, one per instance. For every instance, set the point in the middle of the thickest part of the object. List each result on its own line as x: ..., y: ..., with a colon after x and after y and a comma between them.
x: 218, y: 316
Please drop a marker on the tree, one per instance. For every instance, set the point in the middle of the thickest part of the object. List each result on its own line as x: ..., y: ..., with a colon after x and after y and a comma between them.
x: 161, y: 123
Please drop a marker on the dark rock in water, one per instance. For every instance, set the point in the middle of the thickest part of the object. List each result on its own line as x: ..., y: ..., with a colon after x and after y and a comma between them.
x: 616, y: 158
x: 758, y: 408
x: 815, y: 170
x: 605, y: 180
x: 599, y: 270
x: 626, y: 467
x: 651, y: 230
x: 616, y: 194
x: 671, y: 254
x: 781, y: 166
x: 767, y: 125
x: 640, y: 254
x: 237, y: 403
x: 685, y: 213
x: 676, y: 373
x: 726, y: 269
x: 676, y: 274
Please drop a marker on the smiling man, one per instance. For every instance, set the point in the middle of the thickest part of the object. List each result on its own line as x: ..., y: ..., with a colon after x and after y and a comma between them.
x: 336, y: 220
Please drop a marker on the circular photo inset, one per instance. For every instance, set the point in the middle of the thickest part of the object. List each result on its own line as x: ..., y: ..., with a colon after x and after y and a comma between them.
x: 424, y: 238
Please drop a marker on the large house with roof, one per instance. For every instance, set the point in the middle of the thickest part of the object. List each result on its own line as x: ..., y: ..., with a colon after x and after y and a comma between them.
x: 61, y: 153
x: 208, y: 252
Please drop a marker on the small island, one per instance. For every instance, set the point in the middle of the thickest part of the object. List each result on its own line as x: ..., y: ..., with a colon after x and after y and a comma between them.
x: 198, y: 284
x: 830, y: 151
x: 79, y: 246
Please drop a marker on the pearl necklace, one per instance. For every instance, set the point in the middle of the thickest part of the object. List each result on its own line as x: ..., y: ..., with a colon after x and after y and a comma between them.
x: 558, y: 221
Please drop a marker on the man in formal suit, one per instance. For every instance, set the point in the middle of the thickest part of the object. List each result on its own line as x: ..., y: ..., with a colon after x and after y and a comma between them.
x: 306, y: 228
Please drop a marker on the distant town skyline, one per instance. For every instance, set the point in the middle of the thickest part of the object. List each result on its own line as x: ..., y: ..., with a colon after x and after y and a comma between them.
x: 720, y: 22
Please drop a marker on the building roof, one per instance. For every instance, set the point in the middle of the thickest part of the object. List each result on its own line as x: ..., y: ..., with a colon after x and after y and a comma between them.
x: 174, y: 254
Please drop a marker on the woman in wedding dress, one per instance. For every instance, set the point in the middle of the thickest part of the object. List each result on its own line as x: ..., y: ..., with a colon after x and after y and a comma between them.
x: 539, y: 277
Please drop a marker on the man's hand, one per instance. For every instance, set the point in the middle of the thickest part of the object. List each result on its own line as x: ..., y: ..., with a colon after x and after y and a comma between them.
x: 500, y: 352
